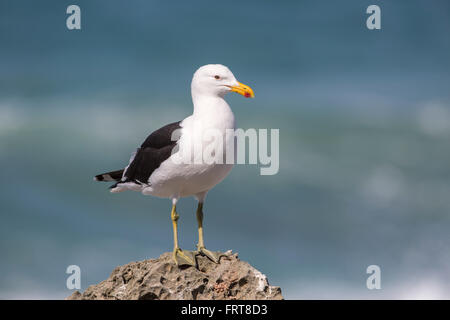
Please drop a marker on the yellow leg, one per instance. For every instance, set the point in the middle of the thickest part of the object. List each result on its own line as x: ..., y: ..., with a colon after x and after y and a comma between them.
x: 179, y: 256
x: 214, y: 256
x: 174, y: 216
x: 199, y: 215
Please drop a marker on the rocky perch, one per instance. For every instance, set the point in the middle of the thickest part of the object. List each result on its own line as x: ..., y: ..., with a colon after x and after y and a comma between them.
x: 161, y: 279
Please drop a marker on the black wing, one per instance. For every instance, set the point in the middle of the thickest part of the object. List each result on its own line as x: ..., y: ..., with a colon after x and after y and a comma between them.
x: 162, y: 137
x: 156, y: 149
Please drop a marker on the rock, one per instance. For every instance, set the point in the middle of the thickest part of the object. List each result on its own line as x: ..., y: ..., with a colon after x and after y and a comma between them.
x: 161, y: 279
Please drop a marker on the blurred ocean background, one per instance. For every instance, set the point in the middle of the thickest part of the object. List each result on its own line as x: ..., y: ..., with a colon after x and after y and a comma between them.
x: 364, y: 119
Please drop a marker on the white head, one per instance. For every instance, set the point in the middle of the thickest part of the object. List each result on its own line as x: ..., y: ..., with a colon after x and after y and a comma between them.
x: 217, y: 80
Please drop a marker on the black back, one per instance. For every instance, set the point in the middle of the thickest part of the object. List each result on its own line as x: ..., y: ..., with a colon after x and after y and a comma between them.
x: 156, y: 148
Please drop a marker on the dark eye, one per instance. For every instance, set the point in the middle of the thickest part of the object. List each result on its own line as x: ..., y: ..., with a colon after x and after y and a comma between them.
x: 217, y: 77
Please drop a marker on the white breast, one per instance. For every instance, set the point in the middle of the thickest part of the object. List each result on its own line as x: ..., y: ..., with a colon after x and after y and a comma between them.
x: 186, y: 173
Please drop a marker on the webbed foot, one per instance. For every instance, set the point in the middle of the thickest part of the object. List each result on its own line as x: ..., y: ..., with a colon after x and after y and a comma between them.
x: 181, y: 257
x: 214, y: 256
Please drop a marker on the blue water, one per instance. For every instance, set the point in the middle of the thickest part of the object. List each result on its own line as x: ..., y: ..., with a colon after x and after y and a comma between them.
x: 364, y: 119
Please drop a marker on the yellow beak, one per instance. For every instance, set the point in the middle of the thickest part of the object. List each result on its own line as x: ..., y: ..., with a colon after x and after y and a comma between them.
x: 243, y: 89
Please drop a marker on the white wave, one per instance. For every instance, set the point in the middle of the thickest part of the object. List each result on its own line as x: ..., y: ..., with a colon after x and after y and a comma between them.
x: 434, y: 118
x: 413, y: 289
x: 11, y: 118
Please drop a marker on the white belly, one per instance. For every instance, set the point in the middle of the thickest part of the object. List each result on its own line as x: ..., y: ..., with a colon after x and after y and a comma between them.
x: 185, y: 179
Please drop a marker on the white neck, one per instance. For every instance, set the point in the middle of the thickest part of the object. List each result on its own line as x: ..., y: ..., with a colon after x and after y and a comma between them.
x: 212, y: 109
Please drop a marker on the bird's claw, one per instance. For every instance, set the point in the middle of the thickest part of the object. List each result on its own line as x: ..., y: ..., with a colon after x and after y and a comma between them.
x: 213, y: 256
x: 181, y: 257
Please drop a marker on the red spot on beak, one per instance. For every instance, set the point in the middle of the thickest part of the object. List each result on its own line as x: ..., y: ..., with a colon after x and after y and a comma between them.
x: 247, y: 95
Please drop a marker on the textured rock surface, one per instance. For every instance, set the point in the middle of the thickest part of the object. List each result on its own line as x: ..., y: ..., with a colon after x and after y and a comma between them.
x: 162, y: 279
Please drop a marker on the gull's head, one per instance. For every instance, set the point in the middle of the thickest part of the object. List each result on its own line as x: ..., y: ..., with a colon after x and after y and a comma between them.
x: 217, y: 80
